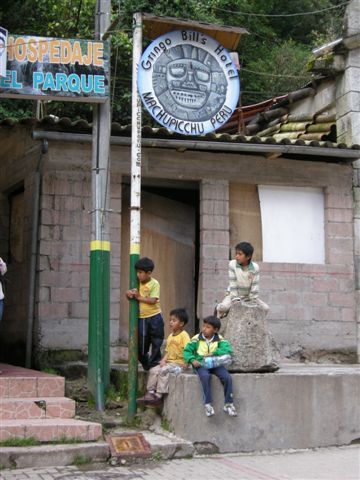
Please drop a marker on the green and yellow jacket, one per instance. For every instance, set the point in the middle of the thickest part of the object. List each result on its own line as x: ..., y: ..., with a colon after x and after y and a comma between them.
x: 197, y: 348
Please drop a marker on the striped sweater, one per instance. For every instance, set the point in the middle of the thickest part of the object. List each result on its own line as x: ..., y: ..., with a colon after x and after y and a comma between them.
x: 244, y: 281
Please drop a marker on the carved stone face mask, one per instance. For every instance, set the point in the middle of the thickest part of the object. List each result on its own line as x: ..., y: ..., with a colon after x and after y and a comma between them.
x: 189, y: 82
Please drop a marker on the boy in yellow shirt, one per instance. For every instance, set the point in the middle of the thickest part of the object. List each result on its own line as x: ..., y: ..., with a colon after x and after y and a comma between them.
x: 172, y: 361
x: 151, y: 323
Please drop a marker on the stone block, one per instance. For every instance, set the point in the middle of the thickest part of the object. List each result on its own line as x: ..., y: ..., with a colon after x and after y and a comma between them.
x: 214, y: 190
x: 301, y: 313
x: 347, y: 314
x: 214, y: 251
x: 327, y: 314
x: 339, y: 230
x: 337, y: 257
x: 315, y: 299
x: 338, y: 201
x: 342, y: 299
x: 214, y: 222
x: 63, y: 294
x: 326, y: 284
x: 214, y: 207
x: 209, y: 237
x: 254, y: 349
x: 338, y: 215
x: 350, y: 102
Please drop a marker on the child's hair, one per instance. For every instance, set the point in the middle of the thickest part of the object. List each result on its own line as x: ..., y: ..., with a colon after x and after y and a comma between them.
x: 180, y: 314
x: 246, y: 248
x: 145, y: 264
x: 213, y: 321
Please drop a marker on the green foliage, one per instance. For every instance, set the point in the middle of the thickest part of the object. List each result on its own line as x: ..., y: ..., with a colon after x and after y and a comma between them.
x: 68, y: 440
x: 285, y: 66
x: 165, y: 424
x: 81, y: 460
x: 157, y: 456
x: 278, y: 46
x: 20, y: 442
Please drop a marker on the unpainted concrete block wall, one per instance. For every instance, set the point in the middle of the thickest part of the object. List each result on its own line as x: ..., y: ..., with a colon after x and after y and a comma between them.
x: 64, y: 253
x: 312, y: 307
x: 214, y: 244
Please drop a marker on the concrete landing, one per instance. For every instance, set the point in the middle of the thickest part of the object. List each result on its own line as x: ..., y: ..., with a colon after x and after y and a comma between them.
x: 299, y: 406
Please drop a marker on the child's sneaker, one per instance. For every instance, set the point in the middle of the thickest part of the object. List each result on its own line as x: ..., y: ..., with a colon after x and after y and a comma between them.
x: 209, y: 411
x: 230, y: 409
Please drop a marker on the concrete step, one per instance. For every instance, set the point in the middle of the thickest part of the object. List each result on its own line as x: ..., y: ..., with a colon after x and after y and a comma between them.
x: 18, y: 382
x: 50, y: 455
x: 37, y: 407
x: 50, y: 430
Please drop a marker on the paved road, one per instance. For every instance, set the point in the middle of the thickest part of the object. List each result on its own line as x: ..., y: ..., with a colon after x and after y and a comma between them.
x: 338, y: 463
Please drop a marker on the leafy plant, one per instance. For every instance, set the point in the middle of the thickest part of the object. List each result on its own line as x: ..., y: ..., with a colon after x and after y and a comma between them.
x: 165, y: 424
x: 81, y: 460
x: 20, y: 442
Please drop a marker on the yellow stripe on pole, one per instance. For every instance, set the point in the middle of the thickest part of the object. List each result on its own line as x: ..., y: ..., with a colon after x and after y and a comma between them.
x: 100, y: 245
x: 135, y: 249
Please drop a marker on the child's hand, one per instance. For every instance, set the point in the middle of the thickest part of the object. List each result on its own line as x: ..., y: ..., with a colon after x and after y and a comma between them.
x: 185, y: 366
x: 196, y: 364
x: 162, y: 363
x: 136, y: 294
x: 131, y: 293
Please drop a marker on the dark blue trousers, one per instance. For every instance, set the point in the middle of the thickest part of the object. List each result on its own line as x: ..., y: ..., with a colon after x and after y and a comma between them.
x: 223, y: 375
x: 150, y: 338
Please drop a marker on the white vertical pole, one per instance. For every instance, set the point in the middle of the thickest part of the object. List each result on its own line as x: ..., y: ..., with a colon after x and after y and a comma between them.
x: 136, y: 139
x: 134, y: 215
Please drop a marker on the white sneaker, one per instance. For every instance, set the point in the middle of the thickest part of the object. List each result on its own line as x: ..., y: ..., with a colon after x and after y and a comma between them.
x: 230, y: 409
x: 209, y: 410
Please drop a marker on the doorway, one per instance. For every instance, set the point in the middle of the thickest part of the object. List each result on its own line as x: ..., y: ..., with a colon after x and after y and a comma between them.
x: 169, y: 236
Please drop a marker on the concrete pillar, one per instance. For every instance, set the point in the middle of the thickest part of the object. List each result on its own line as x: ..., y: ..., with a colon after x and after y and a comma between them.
x: 348, y: 124
x: 214, y: 244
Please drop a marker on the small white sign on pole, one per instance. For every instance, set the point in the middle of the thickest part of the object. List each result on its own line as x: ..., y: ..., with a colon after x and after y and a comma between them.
x: 3, y: 51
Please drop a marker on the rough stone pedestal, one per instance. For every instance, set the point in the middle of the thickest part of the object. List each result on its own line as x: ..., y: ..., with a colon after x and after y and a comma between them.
x: 254, y: 347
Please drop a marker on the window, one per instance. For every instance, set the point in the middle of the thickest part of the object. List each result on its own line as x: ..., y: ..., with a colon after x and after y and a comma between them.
x: 292, y: 220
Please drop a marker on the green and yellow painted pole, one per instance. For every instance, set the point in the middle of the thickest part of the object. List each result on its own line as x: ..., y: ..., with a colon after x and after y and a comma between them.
x: 99, y: 312
x: 134, y: 216
x: 99, y: 292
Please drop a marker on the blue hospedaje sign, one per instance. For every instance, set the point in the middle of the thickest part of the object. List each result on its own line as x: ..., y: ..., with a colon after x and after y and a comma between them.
x: 55, y: 68
x: 188, y: 82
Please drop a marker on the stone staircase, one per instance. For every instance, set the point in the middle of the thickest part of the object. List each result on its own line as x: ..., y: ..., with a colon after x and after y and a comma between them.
x: 32, y: 404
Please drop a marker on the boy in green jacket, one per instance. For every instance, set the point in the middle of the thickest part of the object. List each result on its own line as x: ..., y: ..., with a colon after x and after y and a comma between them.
x: 208, y: 343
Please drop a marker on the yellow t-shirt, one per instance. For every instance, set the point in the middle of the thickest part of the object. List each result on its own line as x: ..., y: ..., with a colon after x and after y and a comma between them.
x: 175, y: 345
x: 151, y: 289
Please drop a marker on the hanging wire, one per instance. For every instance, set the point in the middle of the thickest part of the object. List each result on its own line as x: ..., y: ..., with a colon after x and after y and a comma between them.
x: 276, y: 15
x: 114, y: 82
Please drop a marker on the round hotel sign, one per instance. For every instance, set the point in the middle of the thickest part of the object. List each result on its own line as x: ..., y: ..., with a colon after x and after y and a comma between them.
x: 188, y: 82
